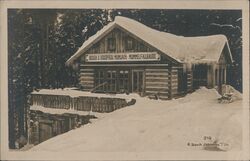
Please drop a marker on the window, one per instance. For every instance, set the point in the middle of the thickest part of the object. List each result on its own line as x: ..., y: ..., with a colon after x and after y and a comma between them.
x: 129, y: 44
x: 123, y: 81
x: 100, y: 80
x: 111, y: 80
x: 105, y: 81
x: 111, y: 44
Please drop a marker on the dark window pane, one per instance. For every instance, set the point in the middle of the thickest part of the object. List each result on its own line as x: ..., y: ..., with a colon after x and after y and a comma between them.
x: 111, y: 44
x: 109, y: 75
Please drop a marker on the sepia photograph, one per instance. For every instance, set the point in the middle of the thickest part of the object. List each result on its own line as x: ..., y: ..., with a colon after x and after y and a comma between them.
x: 125, y: 80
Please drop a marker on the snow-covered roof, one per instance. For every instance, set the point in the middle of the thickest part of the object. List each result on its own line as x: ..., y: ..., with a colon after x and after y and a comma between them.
x: 200, y: 49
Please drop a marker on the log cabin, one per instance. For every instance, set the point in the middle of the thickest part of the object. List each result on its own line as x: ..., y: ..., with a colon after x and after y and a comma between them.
x: 127, y: 56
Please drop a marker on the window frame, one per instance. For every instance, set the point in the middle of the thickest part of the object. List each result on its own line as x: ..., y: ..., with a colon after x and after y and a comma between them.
x: 129, y: 46
x: 111, y: 44
x: 100, y: 79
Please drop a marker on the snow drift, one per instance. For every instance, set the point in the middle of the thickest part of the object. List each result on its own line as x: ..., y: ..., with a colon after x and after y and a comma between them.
x: 194, y: 122
x: 236, y: 95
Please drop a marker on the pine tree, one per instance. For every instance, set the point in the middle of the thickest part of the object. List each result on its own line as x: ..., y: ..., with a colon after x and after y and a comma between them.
x: 24, y: 66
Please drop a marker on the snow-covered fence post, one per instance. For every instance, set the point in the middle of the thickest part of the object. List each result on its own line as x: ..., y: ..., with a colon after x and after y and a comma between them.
x: 91, y: 104
x: 70, y: 104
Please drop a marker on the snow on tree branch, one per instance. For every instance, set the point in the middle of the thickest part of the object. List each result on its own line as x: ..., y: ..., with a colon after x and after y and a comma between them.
x: 225, y: 25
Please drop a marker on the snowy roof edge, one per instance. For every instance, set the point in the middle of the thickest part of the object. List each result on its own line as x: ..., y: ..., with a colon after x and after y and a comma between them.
x: 122, y: 22
x: 89, y: 42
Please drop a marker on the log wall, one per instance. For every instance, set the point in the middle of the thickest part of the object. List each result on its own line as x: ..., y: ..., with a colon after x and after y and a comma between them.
x: 157, y: 82
x: 174, y: 82
x: 189, y: 81
x: 86, y: 79
x: 160, y: 81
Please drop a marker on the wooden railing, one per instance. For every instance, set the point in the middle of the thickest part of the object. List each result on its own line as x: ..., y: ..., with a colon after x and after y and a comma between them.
x: 82, y: 103
x: 53, y: 101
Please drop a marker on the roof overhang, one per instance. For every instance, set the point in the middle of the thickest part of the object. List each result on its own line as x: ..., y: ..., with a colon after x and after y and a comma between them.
x: 121, y: 24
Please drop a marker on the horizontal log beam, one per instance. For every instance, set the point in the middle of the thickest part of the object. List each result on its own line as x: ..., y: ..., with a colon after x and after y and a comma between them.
x: 157, y: 78
x: 164, y: 97
x: 162, y: 81
x: 87, y: 70
x: 86, y: 79
x: 174, y: 80
x: 157, y: 89
x: 87, y: 83
x: 156, y: 75
x: 87, y: 74
x: 156, y: 84
x: 157, y: 92
x: 174, y: 76
x: 157, y: 70
x: 174, y: 87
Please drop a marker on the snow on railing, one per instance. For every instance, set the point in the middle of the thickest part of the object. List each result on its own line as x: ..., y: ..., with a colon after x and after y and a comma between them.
x: 81, y: 103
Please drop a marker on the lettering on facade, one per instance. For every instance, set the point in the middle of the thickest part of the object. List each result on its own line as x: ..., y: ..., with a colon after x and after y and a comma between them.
x: 141, y: 56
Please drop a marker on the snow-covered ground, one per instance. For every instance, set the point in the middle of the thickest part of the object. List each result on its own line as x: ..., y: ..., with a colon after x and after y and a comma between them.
x: 155, y: 126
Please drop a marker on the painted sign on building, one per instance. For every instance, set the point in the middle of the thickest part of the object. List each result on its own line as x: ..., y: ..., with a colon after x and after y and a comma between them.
x: 111, y: 57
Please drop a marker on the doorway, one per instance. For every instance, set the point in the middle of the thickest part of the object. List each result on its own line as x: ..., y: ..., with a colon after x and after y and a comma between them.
x: 137, y: 81
x: 200, y: 75
x: 182, y: 81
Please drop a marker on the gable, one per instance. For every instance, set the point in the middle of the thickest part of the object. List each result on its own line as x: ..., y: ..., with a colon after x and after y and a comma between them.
x: 225, y: 56
x: 121, y: 37
x: 122, y: 43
